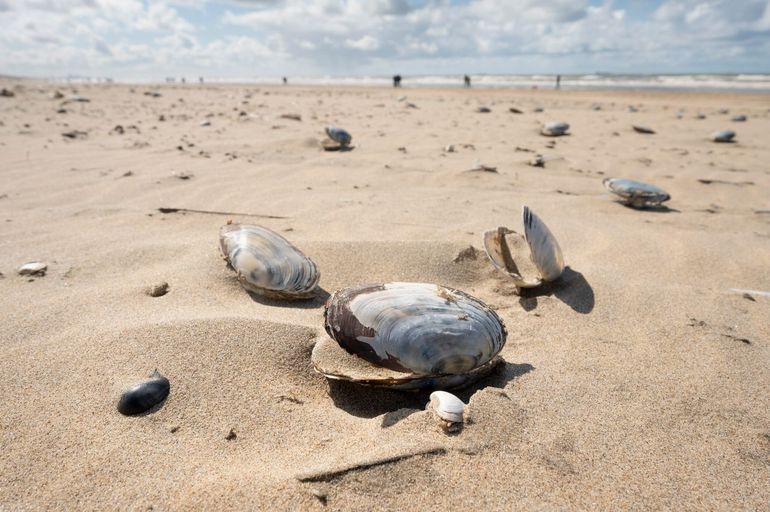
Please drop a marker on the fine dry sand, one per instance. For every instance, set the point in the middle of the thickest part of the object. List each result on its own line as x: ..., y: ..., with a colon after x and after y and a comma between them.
x: 639, y: 381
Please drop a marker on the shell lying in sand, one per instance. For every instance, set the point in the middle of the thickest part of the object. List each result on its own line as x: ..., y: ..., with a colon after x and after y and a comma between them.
x: 338, y: 135
x: 144, y: 396
x: 545, y: 261
x: 408, y: 336
x: 635, y: 193
x: 554, y: 128
x: 267, y: 263
x: 449, y: 409
x: 723, y: 136
x: 643, y: 129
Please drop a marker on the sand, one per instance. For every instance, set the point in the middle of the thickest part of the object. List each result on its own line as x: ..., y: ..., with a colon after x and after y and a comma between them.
x: 639, y: 381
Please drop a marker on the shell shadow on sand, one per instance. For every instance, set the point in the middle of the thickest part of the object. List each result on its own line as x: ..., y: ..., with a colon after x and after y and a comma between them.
x: 318, y: 300
x: 571, y: 288
x: 661, y: 208
x: 394, y: 406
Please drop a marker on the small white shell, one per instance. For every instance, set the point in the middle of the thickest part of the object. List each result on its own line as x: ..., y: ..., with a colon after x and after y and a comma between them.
x: 544, y: 251
x: 447, y: 406
x: 554, y: 128
x: 33, y: 268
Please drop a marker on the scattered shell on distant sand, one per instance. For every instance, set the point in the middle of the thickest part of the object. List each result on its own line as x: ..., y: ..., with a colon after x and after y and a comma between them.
x: 515, y: 110
x: 740, y: 118
x: 537, y: 161
x: 267, y: 263
x: 144, y: 396
x: 635, y: 193
x: 642, y: 129
x: 338, y: 139
x: 479, y: 167
x: 632, y: 109
x: 723, y: 136
x: 6, y: 93
x: 157, y: 289
x: 408, y: 336
x: 545, y: 261
x: 554, y: 128
x: 449, y: 410
x: 33, y: 268
x: 483, y: 110
x: 205, y: 123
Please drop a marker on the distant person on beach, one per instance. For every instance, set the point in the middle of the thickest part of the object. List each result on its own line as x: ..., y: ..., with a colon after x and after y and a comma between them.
x: 200, y: 79
x: 467, y: 81
x: 285, y: 81
x: 184, y: 80
x: 558, y: 81
x: 397, y: 81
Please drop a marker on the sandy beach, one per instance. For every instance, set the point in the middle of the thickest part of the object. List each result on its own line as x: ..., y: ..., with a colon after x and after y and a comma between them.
x: 638, y: 381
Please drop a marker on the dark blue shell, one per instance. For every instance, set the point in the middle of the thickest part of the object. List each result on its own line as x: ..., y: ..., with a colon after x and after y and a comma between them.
x: 144, y: 396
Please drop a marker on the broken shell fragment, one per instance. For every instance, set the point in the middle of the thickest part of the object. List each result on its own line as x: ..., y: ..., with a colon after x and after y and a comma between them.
x: 267, y: 263
x: 723, y: 136
x: 554, y: 128
x: 144, y: 396
x: 408, y: 336
x: 740, y: 118
x: 545, y: 261
x: 643, y: 129
x: 635, y: 193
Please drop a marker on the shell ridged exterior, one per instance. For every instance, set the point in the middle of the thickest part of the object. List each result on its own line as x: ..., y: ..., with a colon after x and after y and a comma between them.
x: 339, y: 135
x: 267, y: 263
x: 415, y: 328
x: 636, y: 193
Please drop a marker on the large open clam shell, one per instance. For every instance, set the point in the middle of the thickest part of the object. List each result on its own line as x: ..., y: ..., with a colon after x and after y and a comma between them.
x: 635, y: 193
x: 409, y: 336
x: 267, y: 263
x: 545, y: 261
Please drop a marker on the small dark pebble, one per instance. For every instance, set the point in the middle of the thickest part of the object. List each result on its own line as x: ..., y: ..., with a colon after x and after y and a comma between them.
x: 746, y: 296
x: 320, y: 495
x: 175, y: 429
x: 469, y: 253
x: 231, y: 436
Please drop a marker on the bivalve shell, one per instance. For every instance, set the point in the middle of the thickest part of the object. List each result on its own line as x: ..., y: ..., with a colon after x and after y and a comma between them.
x: 635, y: 193
x: 554, y: 128
x: 723, y: 136
x: 409, y: 336
x: 267, y: 263
x: 545, y: 261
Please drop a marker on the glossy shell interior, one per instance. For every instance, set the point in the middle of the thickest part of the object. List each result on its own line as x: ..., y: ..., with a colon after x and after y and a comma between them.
x: 410, y: 335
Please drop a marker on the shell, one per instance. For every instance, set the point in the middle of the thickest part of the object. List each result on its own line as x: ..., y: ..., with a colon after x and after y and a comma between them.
x: 643, y: 129
x: 483, y: 110
x: 144, y: 396
x: 447, y: 406
x: 409, y: 336
x: 740, y: 118
x: 339, y: 135
x: 267, y: 263
x: 635, y: 193
x: 554, y: 128
x: 544, y: 252
x: 33, y: 268
x: 723, y: 136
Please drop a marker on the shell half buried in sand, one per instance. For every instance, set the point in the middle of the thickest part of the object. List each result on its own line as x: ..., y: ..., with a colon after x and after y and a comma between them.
x: 723, y: 136
x: 635, y: 193
x: 408, y: 336
x: 505, y: 247
x: 554, y: 128
x: 267, y: 263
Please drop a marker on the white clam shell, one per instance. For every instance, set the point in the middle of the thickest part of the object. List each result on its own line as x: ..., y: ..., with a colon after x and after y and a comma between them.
x: 544, y: 252
x: 447, y: 406
x: 554, y: 128
x: 267, y: 263
x: 636, y: 193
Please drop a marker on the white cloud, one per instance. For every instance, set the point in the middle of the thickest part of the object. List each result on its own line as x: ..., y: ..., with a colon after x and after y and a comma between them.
x: 247, y: 37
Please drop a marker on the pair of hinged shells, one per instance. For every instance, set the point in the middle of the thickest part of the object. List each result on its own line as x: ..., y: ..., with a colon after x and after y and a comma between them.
x: 400, y: 335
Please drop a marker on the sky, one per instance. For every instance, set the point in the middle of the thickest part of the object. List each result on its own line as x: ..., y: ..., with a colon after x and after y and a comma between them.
x: 151, y: 40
